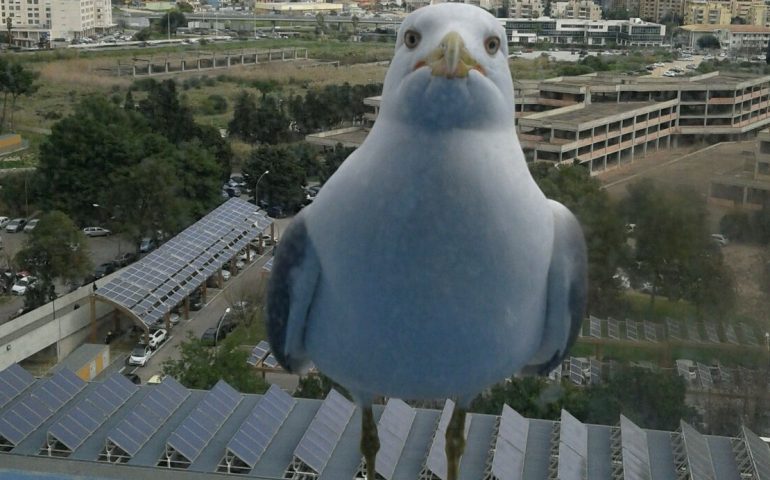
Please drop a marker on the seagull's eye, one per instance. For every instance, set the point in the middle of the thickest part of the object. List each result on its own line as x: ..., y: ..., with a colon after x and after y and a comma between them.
x: 411, y: 39
x: 492, y: 44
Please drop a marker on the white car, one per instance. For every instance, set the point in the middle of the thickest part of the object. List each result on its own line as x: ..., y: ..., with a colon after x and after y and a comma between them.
x: 96, y: 232
x: 226, y: 274
x: 4, y: 221
x: 31, y: 225
x: 157, y: 337
x: 139, y: 355
x: 22, y: 284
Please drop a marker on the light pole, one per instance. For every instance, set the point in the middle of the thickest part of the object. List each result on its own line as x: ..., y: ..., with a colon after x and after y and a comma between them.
x: 256, y: 188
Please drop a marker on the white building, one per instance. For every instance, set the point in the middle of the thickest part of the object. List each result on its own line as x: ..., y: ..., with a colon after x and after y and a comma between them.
x: 36, y: 20
x: 742, y: 40
x: 631, y: 32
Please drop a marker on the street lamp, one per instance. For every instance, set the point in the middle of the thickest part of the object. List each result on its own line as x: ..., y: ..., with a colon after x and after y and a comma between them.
x: 256, y: 188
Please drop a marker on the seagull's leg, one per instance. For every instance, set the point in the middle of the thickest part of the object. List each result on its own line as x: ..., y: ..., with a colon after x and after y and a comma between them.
x: 455, y: 442
x: 370, y: 441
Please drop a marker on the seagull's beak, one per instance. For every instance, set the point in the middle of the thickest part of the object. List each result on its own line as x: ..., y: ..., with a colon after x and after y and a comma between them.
x: 450, y: 59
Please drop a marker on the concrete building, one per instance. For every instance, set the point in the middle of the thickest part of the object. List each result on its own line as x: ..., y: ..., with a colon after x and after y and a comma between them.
x: 655, y: 10
x: 746, y: 188
x: 707, y: 13
x: 742, y: 40
x: 526, y: 9
x: 577, y: 9
x: 37, y: 21
x: 631, y: 32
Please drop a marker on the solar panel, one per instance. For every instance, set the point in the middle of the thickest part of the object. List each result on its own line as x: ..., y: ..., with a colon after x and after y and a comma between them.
x: 595, y: 372
x: 152, y: 286
x: 576, y: 371
x: 613, y: 329
x: 759, y: 453
x: 271, y: 362
x: 258, y: 353
x: 38, y: 405
x: 268, y: 267
x: 573, y: 448
x: 631, y: 331
x: 191, y: 437
x: 711, y: 332
x: 436, y: 461
x: 83, y: 419
x: 747, y: 332
x: 257, y: 431
x: 704, y: 375
x: 321, y: 437
x: 142, y: 423
x: 595, y: 327
x: 730, y: 334
x: 650, y: 332
x: 693, y: 332
x: 698, y: 454
x: 674, y: 329
x: 511, y: 445
x: 636, y: 455
x: 13, y: 381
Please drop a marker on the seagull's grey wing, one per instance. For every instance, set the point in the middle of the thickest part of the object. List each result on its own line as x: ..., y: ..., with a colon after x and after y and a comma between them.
x: 290, y: 294
x: 567, y: 291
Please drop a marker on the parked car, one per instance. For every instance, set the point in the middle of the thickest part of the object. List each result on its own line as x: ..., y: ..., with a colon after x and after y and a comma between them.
x: 126, y: 259
x: 23, y: 284
x: 228, y: 320
x: 133, y: 378
x: 210, y: 337
x: 147, y: 244
x: 4, y: 221
x: 275, y: 212
x: 16, y: 225
x: 31, y: 225
x: 226, y: 274
x: 157, y: 337
x: 96, y: 232
x: 104, y: 269
x: 140, y: 354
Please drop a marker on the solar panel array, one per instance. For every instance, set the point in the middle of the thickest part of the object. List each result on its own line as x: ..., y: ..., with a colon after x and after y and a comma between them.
x: 698, y: 454
x: 594, y: 327
x: 393, y: 429
x: 693, y: 332
x: 613, y: 329
x: 730, y: 334
x: 636, y: 455
x: 13, y: 381
x: 650, y: 332
x: 711, y: 332
x: 576, y: 374
x: 595, y: 372
x: 142, y: 423
x: 271, y: 362
x: 258, y: 353
x: 704, y: 375
x: 510, y: 445
x: 674, y: 329
x: 38, y: 405
x: 436, y: 461
x: 573, y: 448
x: 631, y: 331
x: 191, y: 437
x: 321, y: 437
x: 155, y: 284
x: 83, y: 419
x: 759, y: 453
x: 747, y: 332
x: 257, y: 431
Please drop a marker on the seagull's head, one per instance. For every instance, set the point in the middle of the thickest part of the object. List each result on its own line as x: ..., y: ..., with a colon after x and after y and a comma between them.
x: 450, y: 69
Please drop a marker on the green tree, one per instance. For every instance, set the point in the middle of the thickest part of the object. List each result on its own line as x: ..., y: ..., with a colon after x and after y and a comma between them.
x: 532, y: 397
x: 142, y: 35
x: 201, y: 367
x: 317, y: 386
x: 708, y: 42
x: 283, y: 186
x: 332, y: 160
x: 15, y: 80
x: 243, y: 125
x: 618, y: 13
x: 172, y: 20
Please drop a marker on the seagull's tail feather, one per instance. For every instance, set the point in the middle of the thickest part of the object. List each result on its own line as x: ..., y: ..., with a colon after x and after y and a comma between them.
x: 289, y: 296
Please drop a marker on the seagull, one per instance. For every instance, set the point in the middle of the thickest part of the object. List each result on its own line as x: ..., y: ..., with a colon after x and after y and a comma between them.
x: 430, y: 265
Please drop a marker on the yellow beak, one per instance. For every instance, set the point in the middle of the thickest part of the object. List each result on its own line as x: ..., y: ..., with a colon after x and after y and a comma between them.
x: 450, y: 59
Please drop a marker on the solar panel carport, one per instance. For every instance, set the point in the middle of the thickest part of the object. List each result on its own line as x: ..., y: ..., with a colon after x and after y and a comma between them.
x: 148, y: 289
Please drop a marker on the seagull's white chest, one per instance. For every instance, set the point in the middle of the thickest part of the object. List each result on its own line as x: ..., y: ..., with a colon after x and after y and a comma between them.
x: 442, y: 251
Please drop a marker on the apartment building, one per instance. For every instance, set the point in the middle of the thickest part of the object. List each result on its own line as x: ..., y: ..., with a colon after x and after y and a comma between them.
x: 576, y: 9
x: 526, y: 9
x: 746, y: 188
x: 631, y: 32
x: 35, y: 21
x: 656, y: 10
x: 744, y: 40
x: 707, y: 13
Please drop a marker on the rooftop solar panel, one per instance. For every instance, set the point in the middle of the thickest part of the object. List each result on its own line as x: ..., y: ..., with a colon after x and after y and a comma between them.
x: 698, y: 454
x: 730, y: 334
x: 693, y: 332
x: 650, y: 332
x: 142, y: 423
x: 271, y: 362
x: 13, y: 381
x: 191, y: 437
x: 436, y: 461
x: 704, y: 375
x: 510, y: 445
x: 613, y: 329
x: 631, y: 331
x: 747, y: 332
x: 165, y: 275
x: 257, y: 431
x: 393, y: 429
x: 594, y: 327
x: 711, y: 332
x: 759, y: 453
x: 573, y: 448
x: 84, y: 418
x: 321, y: 437
x: 259, y: 353
x: 38, y: 405
x: 595, y: 372
x: 636, y: 455
x: 674, y: 329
